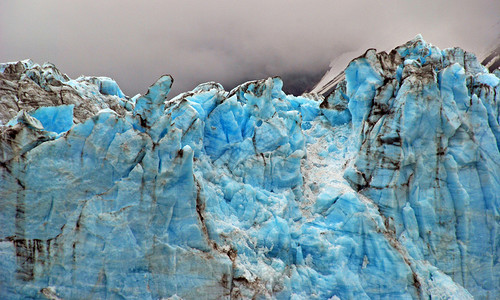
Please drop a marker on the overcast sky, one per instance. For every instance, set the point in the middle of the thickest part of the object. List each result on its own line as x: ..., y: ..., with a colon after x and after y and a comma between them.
x: 135, y: 42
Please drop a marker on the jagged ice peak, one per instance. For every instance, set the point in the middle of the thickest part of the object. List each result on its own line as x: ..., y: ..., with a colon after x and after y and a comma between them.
x: 386, y: 186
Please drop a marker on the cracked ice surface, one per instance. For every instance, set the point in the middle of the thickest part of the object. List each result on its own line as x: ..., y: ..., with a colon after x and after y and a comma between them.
x: 386, y: 188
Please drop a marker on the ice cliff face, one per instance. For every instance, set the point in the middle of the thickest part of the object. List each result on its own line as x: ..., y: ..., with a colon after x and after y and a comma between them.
x: 387, y: 188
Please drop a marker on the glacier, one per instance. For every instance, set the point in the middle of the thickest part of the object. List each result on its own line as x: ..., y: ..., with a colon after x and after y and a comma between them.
x: 386, y: 188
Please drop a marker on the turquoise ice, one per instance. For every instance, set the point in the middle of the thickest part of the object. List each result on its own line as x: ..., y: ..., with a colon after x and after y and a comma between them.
x: 387, y: 188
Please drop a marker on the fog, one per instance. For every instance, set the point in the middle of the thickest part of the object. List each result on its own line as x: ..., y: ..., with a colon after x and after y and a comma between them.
x: 229, y: 41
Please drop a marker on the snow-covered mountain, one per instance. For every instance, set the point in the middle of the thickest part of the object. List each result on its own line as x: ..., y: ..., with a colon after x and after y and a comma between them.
x: 387, y: 188
x: 492, y: 60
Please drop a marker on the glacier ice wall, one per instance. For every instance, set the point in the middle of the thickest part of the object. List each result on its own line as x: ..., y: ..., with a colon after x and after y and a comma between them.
x: 387, y: 188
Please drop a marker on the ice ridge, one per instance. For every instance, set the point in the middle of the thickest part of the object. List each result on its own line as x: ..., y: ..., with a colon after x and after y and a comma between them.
x: 386, y: 188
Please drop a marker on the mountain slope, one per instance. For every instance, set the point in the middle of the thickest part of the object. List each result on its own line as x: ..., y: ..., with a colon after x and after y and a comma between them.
x: 335, y: 74
x: 492, y: 60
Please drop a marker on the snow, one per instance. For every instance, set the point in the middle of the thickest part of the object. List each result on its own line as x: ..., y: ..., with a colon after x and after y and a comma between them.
x: 388, y: 188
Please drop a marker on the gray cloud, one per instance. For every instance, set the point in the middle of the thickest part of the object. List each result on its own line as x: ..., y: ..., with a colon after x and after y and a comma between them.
x: 228, y: 41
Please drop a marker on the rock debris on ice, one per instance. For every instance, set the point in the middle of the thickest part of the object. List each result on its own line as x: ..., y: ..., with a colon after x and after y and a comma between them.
x: 388, y: 187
